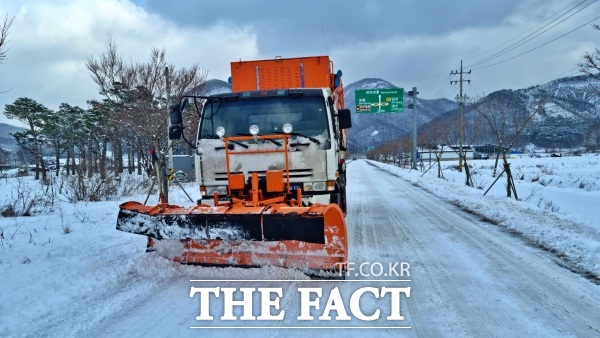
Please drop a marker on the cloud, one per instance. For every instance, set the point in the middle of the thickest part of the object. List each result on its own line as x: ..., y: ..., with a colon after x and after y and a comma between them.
x: 50, y: 40
x: 409, y: 43
x: 425, y: 60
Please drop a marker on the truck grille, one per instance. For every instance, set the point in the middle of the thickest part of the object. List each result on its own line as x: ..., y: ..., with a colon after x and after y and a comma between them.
x: 294, y: 173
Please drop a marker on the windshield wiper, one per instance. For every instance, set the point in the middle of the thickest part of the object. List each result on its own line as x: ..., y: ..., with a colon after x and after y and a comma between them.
x: 299, y: 144
x: 230, y: 146
x: 268, y: 139
x: 308, y: 137
x: 239, y: 144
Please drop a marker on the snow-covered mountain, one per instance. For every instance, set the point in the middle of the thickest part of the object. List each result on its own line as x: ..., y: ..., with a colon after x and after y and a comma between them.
x: 570, y: 113
x: 575, y: 97
x: 214, y: 86
x: 7, y: 141
x: 373, y: 130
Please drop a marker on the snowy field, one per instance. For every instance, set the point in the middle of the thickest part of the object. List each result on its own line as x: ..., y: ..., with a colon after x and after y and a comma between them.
x: 64, y: 259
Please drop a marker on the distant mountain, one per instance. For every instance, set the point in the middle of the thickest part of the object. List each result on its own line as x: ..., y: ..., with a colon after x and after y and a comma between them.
x: 570, y: 109
x: 7, y: 142
x: 373, y: 130
x: 570, y: 97
x: 571, y: 106
x: 211, y: 87
x: 368, y: 130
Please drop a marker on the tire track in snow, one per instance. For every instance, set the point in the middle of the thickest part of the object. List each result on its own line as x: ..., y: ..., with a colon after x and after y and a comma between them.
x: 449, y: 278
x: 394, y: 234
x: 538, y: 290
x: 369, y: 240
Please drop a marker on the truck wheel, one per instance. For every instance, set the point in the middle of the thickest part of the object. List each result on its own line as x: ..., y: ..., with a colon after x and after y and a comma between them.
x: 339, y: 199
x: 334, y: 198
x: 343, y: 199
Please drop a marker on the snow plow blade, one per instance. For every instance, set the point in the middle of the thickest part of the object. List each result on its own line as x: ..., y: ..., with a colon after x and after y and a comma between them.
x: 307, y: 238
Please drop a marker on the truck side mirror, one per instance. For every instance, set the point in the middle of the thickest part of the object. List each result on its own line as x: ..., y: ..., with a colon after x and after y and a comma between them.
x: 175, y: 132
x: 176, y: 128
x: 344, y: 119
x: 175, y: 114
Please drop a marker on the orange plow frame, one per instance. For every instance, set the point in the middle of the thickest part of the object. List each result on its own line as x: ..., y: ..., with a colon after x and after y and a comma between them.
x: 329, y: 256
x: 255, y: 228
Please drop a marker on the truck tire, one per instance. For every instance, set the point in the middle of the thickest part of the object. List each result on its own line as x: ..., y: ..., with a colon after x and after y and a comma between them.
x: 335, y: 198
x: 339, y: 198
x: 343, y: 199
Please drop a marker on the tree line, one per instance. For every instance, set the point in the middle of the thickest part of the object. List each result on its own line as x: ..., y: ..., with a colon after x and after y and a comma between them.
x: 131, y: 116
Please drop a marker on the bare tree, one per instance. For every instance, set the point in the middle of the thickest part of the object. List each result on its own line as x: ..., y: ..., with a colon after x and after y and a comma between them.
x: 136, y: 99
x: 591, y: 61
x: 4, y: 36
x: 433, y: 139
x: 591, y: 138
x: 591, y: 66
x: 452, y: 137
x: 507, y: 116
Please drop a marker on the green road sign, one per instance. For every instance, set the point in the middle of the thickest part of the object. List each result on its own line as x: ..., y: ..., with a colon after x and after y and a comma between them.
x: 379, y: 100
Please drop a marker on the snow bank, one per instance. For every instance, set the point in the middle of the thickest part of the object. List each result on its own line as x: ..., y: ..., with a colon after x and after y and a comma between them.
x: 570, y: 233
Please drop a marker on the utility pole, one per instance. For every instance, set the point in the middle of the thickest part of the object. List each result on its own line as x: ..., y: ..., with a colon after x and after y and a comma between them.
x: 413, y: 106
x: 460, y: 99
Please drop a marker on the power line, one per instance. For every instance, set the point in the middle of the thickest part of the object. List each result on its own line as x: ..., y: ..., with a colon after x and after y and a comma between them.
x: 542, y: 45
x: 516, y: 36
x: 557, y: 76
x: 442, y: 87
x: 527, y: 38
x: 531, y: 36
x: 445, y: 83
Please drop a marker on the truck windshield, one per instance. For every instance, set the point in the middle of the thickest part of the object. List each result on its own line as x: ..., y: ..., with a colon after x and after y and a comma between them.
x: 307, y: 115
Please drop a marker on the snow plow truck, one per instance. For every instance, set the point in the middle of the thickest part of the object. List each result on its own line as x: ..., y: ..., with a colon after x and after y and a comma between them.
x: 271, y: 172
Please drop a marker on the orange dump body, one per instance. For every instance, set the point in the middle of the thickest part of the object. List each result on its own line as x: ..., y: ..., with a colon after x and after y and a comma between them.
x: 278, y: 73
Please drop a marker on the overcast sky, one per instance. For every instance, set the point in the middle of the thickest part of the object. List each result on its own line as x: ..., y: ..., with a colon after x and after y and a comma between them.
x: 407, y: 42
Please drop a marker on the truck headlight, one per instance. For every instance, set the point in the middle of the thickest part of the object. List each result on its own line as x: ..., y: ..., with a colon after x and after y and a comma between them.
x: 315, y: 186
x: 287, y: 128
x: 220, y: 131
x: 319, y: 186
x: 254, y: 130
x: 210, y: 190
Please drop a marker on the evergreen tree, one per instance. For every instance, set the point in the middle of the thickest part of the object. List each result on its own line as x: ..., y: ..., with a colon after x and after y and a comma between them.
x: 34, y: 116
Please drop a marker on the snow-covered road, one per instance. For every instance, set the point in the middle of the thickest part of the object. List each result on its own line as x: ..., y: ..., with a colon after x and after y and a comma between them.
x: 467, y: 278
